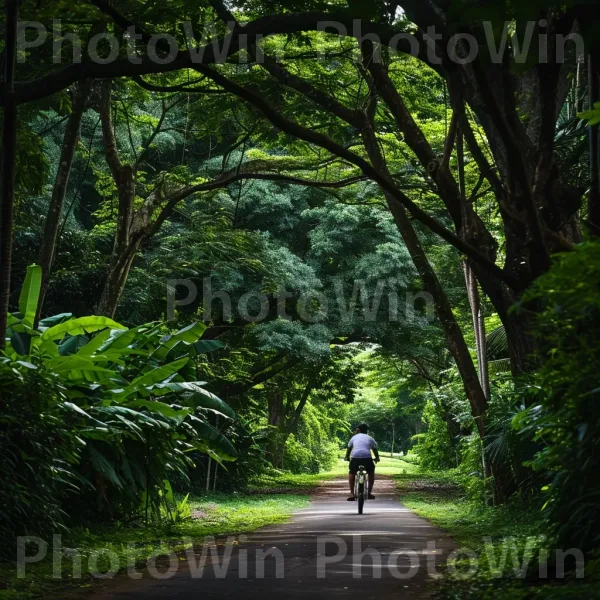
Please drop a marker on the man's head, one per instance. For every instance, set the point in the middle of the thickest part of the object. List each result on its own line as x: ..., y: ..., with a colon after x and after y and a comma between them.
x: 362, y: 428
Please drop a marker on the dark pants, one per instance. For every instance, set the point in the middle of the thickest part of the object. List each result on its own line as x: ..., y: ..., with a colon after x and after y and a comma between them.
x: 367, y: 463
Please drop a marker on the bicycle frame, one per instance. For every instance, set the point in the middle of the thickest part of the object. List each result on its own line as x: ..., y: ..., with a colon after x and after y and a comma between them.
x: 361, y: 484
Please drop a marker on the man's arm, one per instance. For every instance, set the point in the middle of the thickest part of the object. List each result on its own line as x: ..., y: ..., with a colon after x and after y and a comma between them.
x: 348, y: 450
x: 375, y: 451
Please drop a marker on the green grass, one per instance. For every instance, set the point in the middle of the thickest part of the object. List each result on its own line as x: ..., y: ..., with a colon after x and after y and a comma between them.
x: 305, y: 482
x: 433, y: 495
x: 485, y: 531
x: 219, y: 514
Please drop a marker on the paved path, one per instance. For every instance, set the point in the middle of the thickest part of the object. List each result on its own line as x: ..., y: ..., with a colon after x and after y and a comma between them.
x: 385, y: 530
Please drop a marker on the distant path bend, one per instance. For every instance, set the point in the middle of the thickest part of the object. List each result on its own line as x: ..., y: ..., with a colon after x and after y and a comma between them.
x: 387, y: 532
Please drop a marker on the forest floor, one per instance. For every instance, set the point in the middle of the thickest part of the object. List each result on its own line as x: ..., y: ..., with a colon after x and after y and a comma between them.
x: 483, y: 533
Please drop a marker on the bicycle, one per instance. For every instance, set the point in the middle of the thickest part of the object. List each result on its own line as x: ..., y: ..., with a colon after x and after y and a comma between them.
x: 361, y: 485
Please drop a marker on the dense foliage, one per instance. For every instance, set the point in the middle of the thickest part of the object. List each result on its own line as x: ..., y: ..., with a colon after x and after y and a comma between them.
x: 566, y: 416
x: 241, y: 258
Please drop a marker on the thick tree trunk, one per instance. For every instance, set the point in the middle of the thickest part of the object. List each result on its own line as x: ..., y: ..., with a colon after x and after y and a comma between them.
x: 61, y: 183
x: 116, y: 281
x: 124, y: 248
x: 9, y: 158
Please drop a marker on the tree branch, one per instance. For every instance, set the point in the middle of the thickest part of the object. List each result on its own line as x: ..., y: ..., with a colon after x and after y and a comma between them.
x: 324, y: 142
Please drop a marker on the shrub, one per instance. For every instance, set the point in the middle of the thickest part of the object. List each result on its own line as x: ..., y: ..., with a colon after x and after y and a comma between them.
x: 566, y: 416
x: 298, y: 458
x: 435, y: 449
x: 40, y: 451
x: 132, y: 400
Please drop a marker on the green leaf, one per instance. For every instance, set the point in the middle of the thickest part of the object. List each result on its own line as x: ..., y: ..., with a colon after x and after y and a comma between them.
x: 103, y: 466
x: 206, y: 346
x: 30, y: 294
x: 204, y: 399
x: 26, y: 364
x: 591, y: 116
x: 160, y: 408
x: 188, y: 335
x: 169, y: 495
x: 12, y: 320
x: 199, y: 397
x: 72, y: 345
x: 54, y: 320
x: 120, y: 339
x: 20, y: 342
x: 92, y: 346
x: 79, y: 326
x: 157, y: 375
x: 214, y: 439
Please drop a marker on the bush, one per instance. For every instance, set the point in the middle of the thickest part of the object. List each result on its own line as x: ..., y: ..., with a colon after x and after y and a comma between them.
x: 298, y: 458
x: 130, y: 399
x: 39, y: 449
x: 566, y: 417
x: 435, y: 449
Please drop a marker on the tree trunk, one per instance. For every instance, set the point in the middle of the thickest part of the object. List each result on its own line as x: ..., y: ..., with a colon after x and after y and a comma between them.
x: 116, y: 280
x: 478, y: 328
x: 471, y: 282
x: 59, y: 191
x: 276, y: 416
x: 293, y: 422
x: 208, y: 466
x: 124, y: 249
x: 9, y: 157
x: 594, y: 136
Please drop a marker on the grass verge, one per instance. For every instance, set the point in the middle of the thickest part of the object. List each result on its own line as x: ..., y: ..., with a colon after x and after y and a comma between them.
x: 494, y: 542
x: 128, y: 546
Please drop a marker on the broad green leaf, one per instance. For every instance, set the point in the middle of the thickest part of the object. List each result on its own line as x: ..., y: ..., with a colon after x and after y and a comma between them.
x: 54, y: 320
x: 71, y: 361
x: 20, y: 342
x: 169, y: 495
x: 80, y: 326
x: 204, y: 399
x: 206, y: 346
x: 92, y: 346
x: 30, y: 294
x: 157, y: 375
x: 72, y: 345
x: 214, y: 439
x: 189, y: 335
x: 12, y: 320
x: 103, y: 466
x: 160, y: 408
x: 121, y: 339
x: 26, y: 364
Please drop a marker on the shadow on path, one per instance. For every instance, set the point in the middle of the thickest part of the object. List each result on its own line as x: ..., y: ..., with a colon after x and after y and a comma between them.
x: 326, y: 550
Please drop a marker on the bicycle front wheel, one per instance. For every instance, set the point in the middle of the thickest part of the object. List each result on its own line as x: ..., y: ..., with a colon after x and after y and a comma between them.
x: 361, y: 497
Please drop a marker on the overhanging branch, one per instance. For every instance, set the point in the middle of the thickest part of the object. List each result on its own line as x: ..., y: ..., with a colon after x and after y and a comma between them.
x: 367, y: 168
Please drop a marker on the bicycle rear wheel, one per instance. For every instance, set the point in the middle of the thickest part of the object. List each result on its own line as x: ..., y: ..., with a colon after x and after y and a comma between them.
x: 361, y: 497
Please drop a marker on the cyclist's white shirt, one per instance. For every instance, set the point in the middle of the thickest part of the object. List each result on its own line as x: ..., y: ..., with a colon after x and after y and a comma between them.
x: 361, y: 445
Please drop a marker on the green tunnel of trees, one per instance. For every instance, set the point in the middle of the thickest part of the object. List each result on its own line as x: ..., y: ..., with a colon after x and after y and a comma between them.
x: 237, y: 256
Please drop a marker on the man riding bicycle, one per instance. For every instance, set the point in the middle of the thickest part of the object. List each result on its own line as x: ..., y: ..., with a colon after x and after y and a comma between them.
x: 359, y: 453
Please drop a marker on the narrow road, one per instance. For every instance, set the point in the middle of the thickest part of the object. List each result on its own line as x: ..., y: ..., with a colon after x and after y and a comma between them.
x: 326, y: 550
